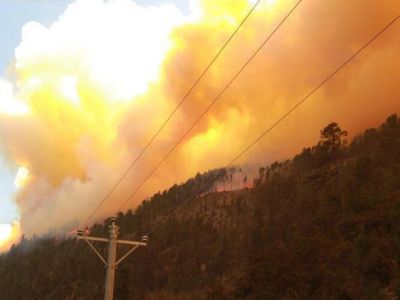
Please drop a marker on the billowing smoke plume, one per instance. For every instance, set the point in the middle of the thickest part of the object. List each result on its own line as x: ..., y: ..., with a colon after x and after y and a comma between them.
x: 90, y: 90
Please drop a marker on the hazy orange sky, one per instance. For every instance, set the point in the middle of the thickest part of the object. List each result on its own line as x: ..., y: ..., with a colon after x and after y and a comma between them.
x: 84, y: 94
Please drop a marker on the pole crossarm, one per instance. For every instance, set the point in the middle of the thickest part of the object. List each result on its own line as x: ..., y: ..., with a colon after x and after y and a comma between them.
x: 97, y: 239
x: 97, y: 252
x: 131, y: 243
x: 91, y: 238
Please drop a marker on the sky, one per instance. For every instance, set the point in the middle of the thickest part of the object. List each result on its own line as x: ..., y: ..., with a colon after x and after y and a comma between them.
x: 85, y: 85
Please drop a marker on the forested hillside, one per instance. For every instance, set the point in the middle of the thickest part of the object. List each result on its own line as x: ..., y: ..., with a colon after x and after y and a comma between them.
x: 324, y: 225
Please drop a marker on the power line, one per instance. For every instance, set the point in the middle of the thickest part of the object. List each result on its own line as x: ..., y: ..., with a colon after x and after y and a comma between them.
x: 210, y: 105
x: 283, y: 117
x: 150, y: 142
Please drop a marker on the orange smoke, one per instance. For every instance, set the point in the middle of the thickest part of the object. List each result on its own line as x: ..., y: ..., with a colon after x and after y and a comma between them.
x: 91, y: 95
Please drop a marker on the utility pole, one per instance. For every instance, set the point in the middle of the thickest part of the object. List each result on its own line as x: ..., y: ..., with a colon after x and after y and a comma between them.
x: 112, y: 255
x: 112, y: 262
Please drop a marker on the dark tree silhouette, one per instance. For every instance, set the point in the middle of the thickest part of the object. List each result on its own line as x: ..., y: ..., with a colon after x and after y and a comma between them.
x: 332, y: 137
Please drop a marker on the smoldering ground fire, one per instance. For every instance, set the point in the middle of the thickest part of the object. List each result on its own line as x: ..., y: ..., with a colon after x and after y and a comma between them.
x: 90, y: 94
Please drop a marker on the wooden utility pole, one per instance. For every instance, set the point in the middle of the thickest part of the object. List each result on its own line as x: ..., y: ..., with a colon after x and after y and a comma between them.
x: 112, y: 261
